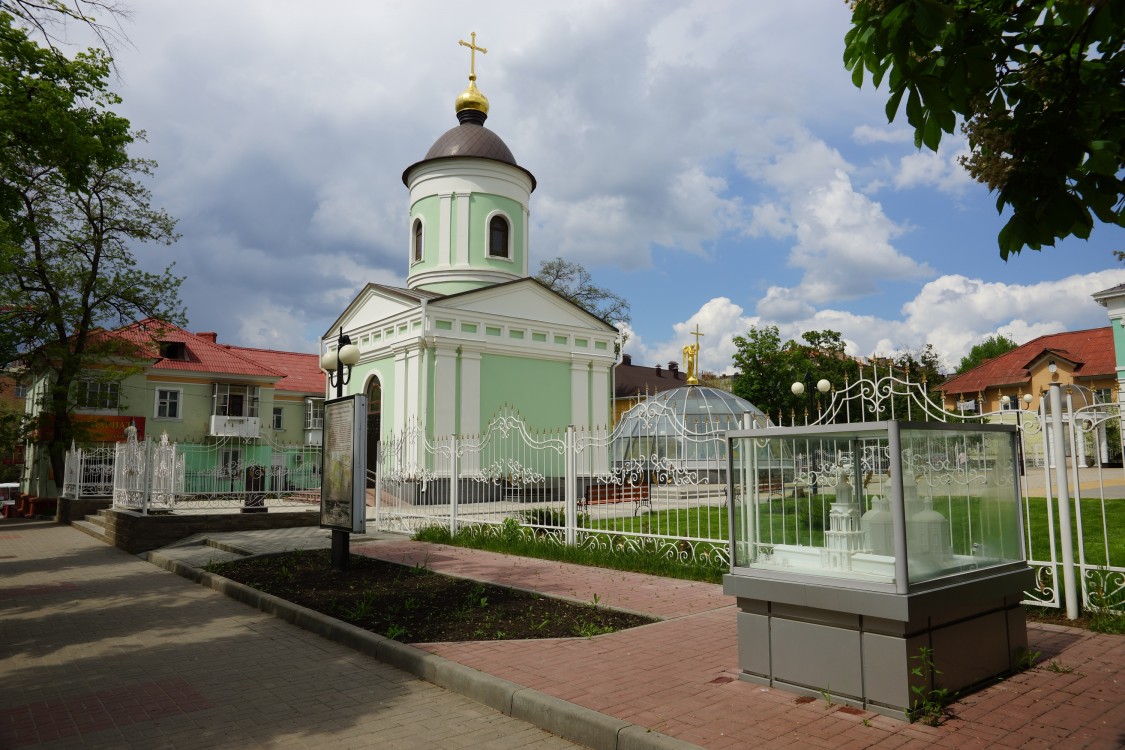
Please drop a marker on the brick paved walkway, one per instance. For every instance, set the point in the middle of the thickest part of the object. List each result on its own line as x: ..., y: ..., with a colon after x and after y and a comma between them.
x: 101, y: 649
x: 679, y: 676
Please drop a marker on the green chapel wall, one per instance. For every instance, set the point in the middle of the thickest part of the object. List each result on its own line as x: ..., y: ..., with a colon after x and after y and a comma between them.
x: 539, y: 389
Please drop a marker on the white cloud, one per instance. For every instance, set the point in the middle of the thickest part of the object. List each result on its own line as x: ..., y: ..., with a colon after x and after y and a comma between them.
x: 942, y: 169
x: 867, y: 134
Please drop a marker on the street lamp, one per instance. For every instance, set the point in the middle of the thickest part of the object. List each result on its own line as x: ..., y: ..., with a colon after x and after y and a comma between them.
x: 338, y: 364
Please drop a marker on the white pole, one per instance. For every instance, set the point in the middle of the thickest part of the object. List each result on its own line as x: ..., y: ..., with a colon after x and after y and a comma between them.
x: 1069, y: 580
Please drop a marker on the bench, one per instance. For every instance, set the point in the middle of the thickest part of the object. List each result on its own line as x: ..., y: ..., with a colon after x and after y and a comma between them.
x: 603, y: 494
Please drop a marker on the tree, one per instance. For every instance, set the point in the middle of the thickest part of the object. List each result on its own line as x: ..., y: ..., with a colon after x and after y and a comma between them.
x: 993, y: 346
x: 1038, y: 86
x: 46, y: 16
x: 767, y: 369
x: 72, y: 207
x: 572, y: 281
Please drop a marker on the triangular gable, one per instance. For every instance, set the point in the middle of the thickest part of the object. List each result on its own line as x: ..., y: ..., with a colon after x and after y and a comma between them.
x: 374, y: 303
x: 1054, y: 354
x: 524, y: 299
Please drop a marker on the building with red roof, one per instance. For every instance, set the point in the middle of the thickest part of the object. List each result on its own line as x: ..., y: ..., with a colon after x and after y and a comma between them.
x: 1084, y: 359
x: 193, y: 388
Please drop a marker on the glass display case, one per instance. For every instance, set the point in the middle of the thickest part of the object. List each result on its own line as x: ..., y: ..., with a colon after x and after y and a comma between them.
x: 888, y: 505
x: 856, y: 548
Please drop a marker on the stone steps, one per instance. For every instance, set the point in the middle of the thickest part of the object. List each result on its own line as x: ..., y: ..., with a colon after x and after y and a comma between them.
x: 94, y: 526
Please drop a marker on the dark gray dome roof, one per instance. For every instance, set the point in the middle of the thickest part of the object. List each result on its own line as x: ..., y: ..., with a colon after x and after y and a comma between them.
x: 471, y: 140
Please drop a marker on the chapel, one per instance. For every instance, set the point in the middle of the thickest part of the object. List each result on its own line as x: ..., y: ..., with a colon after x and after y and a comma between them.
x: 472, y: 335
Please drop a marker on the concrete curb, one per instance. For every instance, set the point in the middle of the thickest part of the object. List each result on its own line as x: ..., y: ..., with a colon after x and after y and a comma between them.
x: 568, y: 720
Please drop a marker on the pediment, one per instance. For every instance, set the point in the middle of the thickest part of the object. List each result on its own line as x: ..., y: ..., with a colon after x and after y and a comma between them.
x: 375, y: 303
x: 525, y: 299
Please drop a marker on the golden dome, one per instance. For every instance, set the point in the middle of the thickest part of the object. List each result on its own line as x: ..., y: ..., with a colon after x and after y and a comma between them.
x: 471, y: 98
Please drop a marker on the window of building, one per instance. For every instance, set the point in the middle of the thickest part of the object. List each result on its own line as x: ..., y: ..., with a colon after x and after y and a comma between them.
x: 314, y: 414
x: 1012, y: 404
x: 96, y: 394
x: 167, y: 403
x: 173, y: 350
x: 498, y: 235
x: 277, y: 418
x: 416, y: 241
x: 20, y: 390
x: 235, y: 400
x: 1103, y: 396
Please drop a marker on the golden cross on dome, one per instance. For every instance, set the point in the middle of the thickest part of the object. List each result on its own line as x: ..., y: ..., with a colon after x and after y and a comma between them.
x: 697, y: 334
x: 473, y: 50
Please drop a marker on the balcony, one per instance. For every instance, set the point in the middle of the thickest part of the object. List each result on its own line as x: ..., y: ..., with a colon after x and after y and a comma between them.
x: 244, y: 427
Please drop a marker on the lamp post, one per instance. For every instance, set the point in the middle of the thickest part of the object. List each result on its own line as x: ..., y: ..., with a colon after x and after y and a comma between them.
x: 338, y: 364
x: 805, y: 387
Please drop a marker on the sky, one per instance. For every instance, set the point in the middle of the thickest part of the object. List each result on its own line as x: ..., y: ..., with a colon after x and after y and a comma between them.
x: 709, y: 161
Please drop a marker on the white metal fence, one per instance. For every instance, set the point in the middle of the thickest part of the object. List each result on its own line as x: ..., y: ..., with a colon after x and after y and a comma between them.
x: 670, y: 494
x: 574, y: 486
x: 249, y: 474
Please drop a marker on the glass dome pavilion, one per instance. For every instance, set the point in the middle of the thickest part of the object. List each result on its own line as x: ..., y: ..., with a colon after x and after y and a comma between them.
x: 684, y: 424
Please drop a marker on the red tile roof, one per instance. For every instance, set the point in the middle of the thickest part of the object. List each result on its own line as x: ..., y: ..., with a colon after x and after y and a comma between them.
x: 302, y: 371
x: 1091, y: 351
x: 292, y: 371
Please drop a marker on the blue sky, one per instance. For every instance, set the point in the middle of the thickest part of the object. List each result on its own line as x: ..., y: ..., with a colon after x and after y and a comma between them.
x: 709, y: 161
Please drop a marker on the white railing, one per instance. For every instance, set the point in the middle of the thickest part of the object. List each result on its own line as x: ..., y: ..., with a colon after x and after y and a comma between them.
x: 88, y: 472
x: 229, y: 473
x: 669, y: 490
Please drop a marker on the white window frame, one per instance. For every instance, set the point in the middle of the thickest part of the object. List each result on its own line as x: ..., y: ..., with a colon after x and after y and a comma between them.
x: 417, y: 250
x: 314, y: 414
x: 278, y: 418
x: 20, y: 390
x: 178, y: 401
x: 221, y: 399
x: 105, y: 395
x: 510, y: 257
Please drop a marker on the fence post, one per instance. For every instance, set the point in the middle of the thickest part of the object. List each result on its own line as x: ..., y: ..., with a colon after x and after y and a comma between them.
x: 146, y: 480
x: 1059, y: 454
x: 378, y: 482
x: 454, y: 473
x: 570, y: 483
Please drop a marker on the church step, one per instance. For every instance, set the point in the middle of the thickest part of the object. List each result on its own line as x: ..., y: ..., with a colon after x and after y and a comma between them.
x: 93, y: 529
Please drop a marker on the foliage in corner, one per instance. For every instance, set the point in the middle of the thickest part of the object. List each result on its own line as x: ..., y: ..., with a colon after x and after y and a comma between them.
x: 1037, y: 87
x: 73, y: 206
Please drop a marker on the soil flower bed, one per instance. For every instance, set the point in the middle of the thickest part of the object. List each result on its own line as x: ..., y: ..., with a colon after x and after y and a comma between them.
x: 416, y: 605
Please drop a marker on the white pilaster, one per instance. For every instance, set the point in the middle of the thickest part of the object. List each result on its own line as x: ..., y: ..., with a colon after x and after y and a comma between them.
x: 462, y: 244
x: 526, y: 233
x: 470, y: 393
x: 400, y: 388
x: 445, y: 391
x: 599, y: 395
x: 445, y: 250
x: 580, y: 394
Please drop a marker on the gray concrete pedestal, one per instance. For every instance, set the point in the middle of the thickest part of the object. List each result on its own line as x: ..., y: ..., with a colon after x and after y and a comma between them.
x: 859, y: 645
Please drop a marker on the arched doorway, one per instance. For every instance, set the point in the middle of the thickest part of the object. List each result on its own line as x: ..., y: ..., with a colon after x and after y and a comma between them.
x: 374, y: 423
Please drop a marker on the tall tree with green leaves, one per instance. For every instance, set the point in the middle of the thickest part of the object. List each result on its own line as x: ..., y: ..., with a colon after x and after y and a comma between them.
x: 1038, y: 87
x: 992, y: 346
x: 73, y: 208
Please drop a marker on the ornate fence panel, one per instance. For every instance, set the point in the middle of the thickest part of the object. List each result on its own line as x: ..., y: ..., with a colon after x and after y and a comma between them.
x: 656, y: 483
x: 248, y: 474
x: 505, y: 472
x: 88, y: 472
